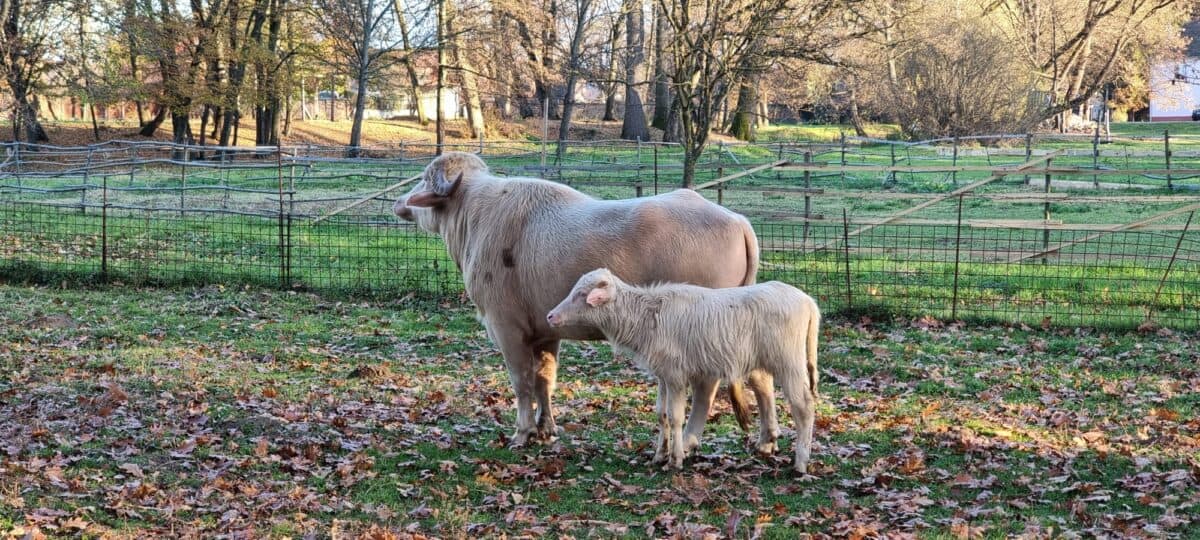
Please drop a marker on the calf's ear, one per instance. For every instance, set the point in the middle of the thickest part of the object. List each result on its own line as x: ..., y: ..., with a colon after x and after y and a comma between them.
x: 598, y: 297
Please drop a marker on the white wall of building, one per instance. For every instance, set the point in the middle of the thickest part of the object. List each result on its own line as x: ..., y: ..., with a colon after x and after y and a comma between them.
x: 1172, y: 99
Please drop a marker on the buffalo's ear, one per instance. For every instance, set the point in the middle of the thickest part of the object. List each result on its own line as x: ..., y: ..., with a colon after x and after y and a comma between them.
x: 598, y: 297
x: 424, y: 199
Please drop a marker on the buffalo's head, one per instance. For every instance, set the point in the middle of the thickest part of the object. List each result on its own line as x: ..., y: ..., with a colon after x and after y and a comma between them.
x: 436, y: 191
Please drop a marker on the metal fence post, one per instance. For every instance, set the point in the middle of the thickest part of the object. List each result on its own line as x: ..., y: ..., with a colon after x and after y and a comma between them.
x: 891, y: 175
x: 846, y: 251
x: 87, y: 181
x: 1028, y: 152
x: 183, y: 179
x: 1167, y: 155
x: 721, y: 187
x: 1096, y: 156
x: 1046, y: 212
x: 104, y: 230
x: 1170, y: 264
x: 283, y: 226
x: 954, y: 163
x: 843, y: 173
x: 17, y: 159
x: 957, y: 247
x: 807, y: 197
x: 656, y: 169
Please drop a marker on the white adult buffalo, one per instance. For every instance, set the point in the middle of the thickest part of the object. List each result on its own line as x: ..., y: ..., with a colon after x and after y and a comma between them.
x: 521, y: 243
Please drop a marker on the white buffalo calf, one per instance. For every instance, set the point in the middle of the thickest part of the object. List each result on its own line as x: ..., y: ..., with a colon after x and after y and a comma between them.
x: 684, y: 333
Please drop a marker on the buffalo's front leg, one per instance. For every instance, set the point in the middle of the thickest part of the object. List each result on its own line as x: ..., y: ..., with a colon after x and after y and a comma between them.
x: 519, y: 360
x: 545, y: 378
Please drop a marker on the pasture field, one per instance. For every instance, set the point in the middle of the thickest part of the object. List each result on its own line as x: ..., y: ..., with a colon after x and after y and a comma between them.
x: 198, y: 412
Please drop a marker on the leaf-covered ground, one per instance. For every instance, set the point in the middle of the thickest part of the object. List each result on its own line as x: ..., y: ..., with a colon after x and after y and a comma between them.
x: 245, y: 413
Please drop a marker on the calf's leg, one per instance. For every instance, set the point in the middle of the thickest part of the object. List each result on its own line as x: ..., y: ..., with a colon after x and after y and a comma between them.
x: 660, y: 438
x: 768, y: 424
x: 803, y: 404
x: 704, y: 391
x: 676, y: 406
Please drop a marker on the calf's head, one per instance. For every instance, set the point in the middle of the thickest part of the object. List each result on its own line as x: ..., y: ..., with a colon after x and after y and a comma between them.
x: 429, y: 200
x: 592, y: 292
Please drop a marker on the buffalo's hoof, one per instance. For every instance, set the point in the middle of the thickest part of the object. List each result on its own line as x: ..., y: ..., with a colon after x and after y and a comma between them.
x: 520, y: 439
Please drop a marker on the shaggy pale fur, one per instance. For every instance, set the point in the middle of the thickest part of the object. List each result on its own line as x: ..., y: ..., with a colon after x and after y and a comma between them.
x: 521, y: 244
x: 684, y: 333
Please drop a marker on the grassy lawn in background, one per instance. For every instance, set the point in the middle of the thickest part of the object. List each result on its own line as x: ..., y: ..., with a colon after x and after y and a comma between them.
x: 193, y: 412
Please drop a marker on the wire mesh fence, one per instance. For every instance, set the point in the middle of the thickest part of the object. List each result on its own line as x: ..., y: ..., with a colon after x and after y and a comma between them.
x: 1011, y: 250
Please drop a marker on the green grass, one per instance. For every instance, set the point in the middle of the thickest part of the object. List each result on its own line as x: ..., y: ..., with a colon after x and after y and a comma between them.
x: 277, y: 414
x: 902, y: 268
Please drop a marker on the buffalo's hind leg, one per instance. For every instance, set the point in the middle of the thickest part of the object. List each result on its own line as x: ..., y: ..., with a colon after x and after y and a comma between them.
x: 546, y: 357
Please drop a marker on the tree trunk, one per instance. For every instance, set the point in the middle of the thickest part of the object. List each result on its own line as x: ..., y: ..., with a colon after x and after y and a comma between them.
x: 26, y: 114
x: 634, y: 124
x: 95, y: 126
x: 181, y: 131
x: 204, y: 124
x: 610, y: 107
x: 610, y: 88
x: 470, y: 87
x: 573, y: 66
x: 743, y: 116
x: 662, y: 91
x: 410, y: 67
x: 360, y: 104
x: 287, y: 116
x: 672, y: 132
x: 440, y: 130
x: 150, y: 127
x: 855, y: 117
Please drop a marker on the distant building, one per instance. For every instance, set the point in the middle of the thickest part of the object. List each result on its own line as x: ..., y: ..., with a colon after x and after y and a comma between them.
x: 1175, y: 85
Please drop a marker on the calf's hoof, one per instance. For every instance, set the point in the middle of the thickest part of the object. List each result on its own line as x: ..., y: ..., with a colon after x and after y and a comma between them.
x: 801, y: 468
x: 690, y: 443
x: 765, y: 448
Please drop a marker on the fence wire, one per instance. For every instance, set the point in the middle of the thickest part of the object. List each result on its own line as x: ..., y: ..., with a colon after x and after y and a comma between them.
x: 153, y: 213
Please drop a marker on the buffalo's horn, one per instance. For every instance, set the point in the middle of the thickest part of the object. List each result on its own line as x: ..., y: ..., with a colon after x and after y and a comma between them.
x: 444, y: 188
